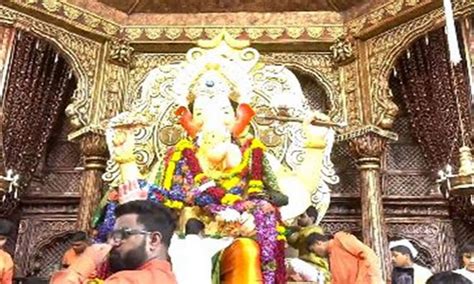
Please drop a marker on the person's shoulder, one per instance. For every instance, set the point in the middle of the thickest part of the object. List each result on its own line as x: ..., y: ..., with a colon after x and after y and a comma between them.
x: 6, y: 257
x: 425, y: 270
x: 144, y: 276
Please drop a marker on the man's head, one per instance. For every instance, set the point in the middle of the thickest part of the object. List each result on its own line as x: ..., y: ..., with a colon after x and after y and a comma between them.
x: 448, y: 277
x: 401, y: 256
x: 467, y: 254
x: 403, y: 253
x: 309, y: 217
x: 79, y: 242
x: 318, y: 244
x: 5, y: 231
x: 194, y: 227
x: 142, y: 232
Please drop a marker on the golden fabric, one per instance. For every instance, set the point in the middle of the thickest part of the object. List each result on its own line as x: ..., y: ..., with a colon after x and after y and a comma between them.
x: 240, y: 263
x: 299, y: 241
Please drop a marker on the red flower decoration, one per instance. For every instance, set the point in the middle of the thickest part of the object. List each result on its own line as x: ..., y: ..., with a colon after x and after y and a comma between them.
x: 215, y: 192
x: 257, y: 169
x: 192, y: 161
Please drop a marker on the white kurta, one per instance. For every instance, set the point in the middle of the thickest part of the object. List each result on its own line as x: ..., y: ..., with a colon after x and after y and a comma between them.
x: 421, y: 274
x: 191, y: 257
x: 464, y: 272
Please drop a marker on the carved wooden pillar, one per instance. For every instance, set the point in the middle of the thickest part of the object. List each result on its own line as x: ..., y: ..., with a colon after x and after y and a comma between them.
x: 368, y: 149
x: 94, y: 150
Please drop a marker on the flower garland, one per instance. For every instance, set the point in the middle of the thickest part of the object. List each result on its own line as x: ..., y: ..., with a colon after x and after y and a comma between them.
x: 185, y: 184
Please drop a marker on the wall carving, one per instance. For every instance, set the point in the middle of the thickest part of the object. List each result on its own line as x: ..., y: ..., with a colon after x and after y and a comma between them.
x: 33, y: 234
x: 435, y: 238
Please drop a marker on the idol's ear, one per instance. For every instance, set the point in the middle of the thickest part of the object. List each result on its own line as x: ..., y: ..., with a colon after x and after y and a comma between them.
x: 244, y: 115
x: 186, y: 120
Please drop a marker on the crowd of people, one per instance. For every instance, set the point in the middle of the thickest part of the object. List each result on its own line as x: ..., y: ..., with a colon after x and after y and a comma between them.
x: 144, y: 248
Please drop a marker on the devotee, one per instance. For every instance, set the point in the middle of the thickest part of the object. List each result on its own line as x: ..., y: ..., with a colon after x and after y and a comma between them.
x: 299, y: 238
x: 403, y: 254
x: 137, y: 249
x: 191, y: 256
x: 350, y: 260
x: 6, y: 262
x: 448, y: 277
x: 467, y: 254
x: 79, y: 243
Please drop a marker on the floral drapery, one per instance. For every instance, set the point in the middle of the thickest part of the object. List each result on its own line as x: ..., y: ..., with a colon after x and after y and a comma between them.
x: 427, y: 85
x: 39, y: 87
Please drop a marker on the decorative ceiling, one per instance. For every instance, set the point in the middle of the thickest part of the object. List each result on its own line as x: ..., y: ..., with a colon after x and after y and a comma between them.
x: 218, y: 6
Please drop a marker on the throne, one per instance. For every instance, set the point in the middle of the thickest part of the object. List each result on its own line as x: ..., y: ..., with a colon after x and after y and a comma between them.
x: 271, y: 89
x: 226, y: 72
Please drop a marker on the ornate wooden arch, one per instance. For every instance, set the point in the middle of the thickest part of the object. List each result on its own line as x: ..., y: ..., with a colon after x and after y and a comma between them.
x: 80, y: 52
x: 320, y: 68
x: 384, y: 50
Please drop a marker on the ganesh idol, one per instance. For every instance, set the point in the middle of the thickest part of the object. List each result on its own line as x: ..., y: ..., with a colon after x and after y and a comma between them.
x: 218, y: 170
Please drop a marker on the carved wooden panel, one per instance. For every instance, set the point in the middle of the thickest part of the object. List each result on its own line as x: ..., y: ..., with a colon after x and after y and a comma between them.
x: 49, y: 255
x: 346, y: 168
x: 194, y: 6
x: 313, y: 92
x: 34, y: 233
x: 433, y: 239
x: 404, y: 168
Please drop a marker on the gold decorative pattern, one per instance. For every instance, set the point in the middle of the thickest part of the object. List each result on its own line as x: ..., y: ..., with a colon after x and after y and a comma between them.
x: 254, y: 33
x: 71, y: 12
x: 274, y: 33
x: 173, y: 33
x: 153, y: 33
x: 91, y: 21
x: 315, y: 32
x: 295, y: 32
x: 51, y: 5
x: 193, y: 33
x: 110, y: 28
x: 133, y: 33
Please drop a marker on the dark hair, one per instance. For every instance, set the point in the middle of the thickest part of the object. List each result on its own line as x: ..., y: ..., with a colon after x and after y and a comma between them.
x: 467, y: 248
x: 154, y: 217
x: 312, y: 238
x: 403, y: 250
x: 6, y: 227
x: 79, y: 236
x: 448, y: 277
x: 312, y: 212
x: 194, y: 226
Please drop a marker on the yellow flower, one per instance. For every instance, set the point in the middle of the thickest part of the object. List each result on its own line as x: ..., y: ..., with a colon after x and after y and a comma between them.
x: 183, y: 144
x: 280, y: 229
x: 254, y: 189
x: 256, y: 143
x: 230, y: 183
x: 176, y: 156
x: 256, y: 183
x: 169, y: 175
x: 281, y: 238
x: 174, y: 204
x: 230, y: 199
x: 198, y: 178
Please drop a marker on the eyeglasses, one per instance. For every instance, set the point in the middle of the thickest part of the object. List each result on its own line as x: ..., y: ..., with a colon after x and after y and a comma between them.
x: 122, y: 234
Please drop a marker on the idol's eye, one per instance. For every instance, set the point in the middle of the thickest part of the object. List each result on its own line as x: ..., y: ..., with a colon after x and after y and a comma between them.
x: 209, y: 83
